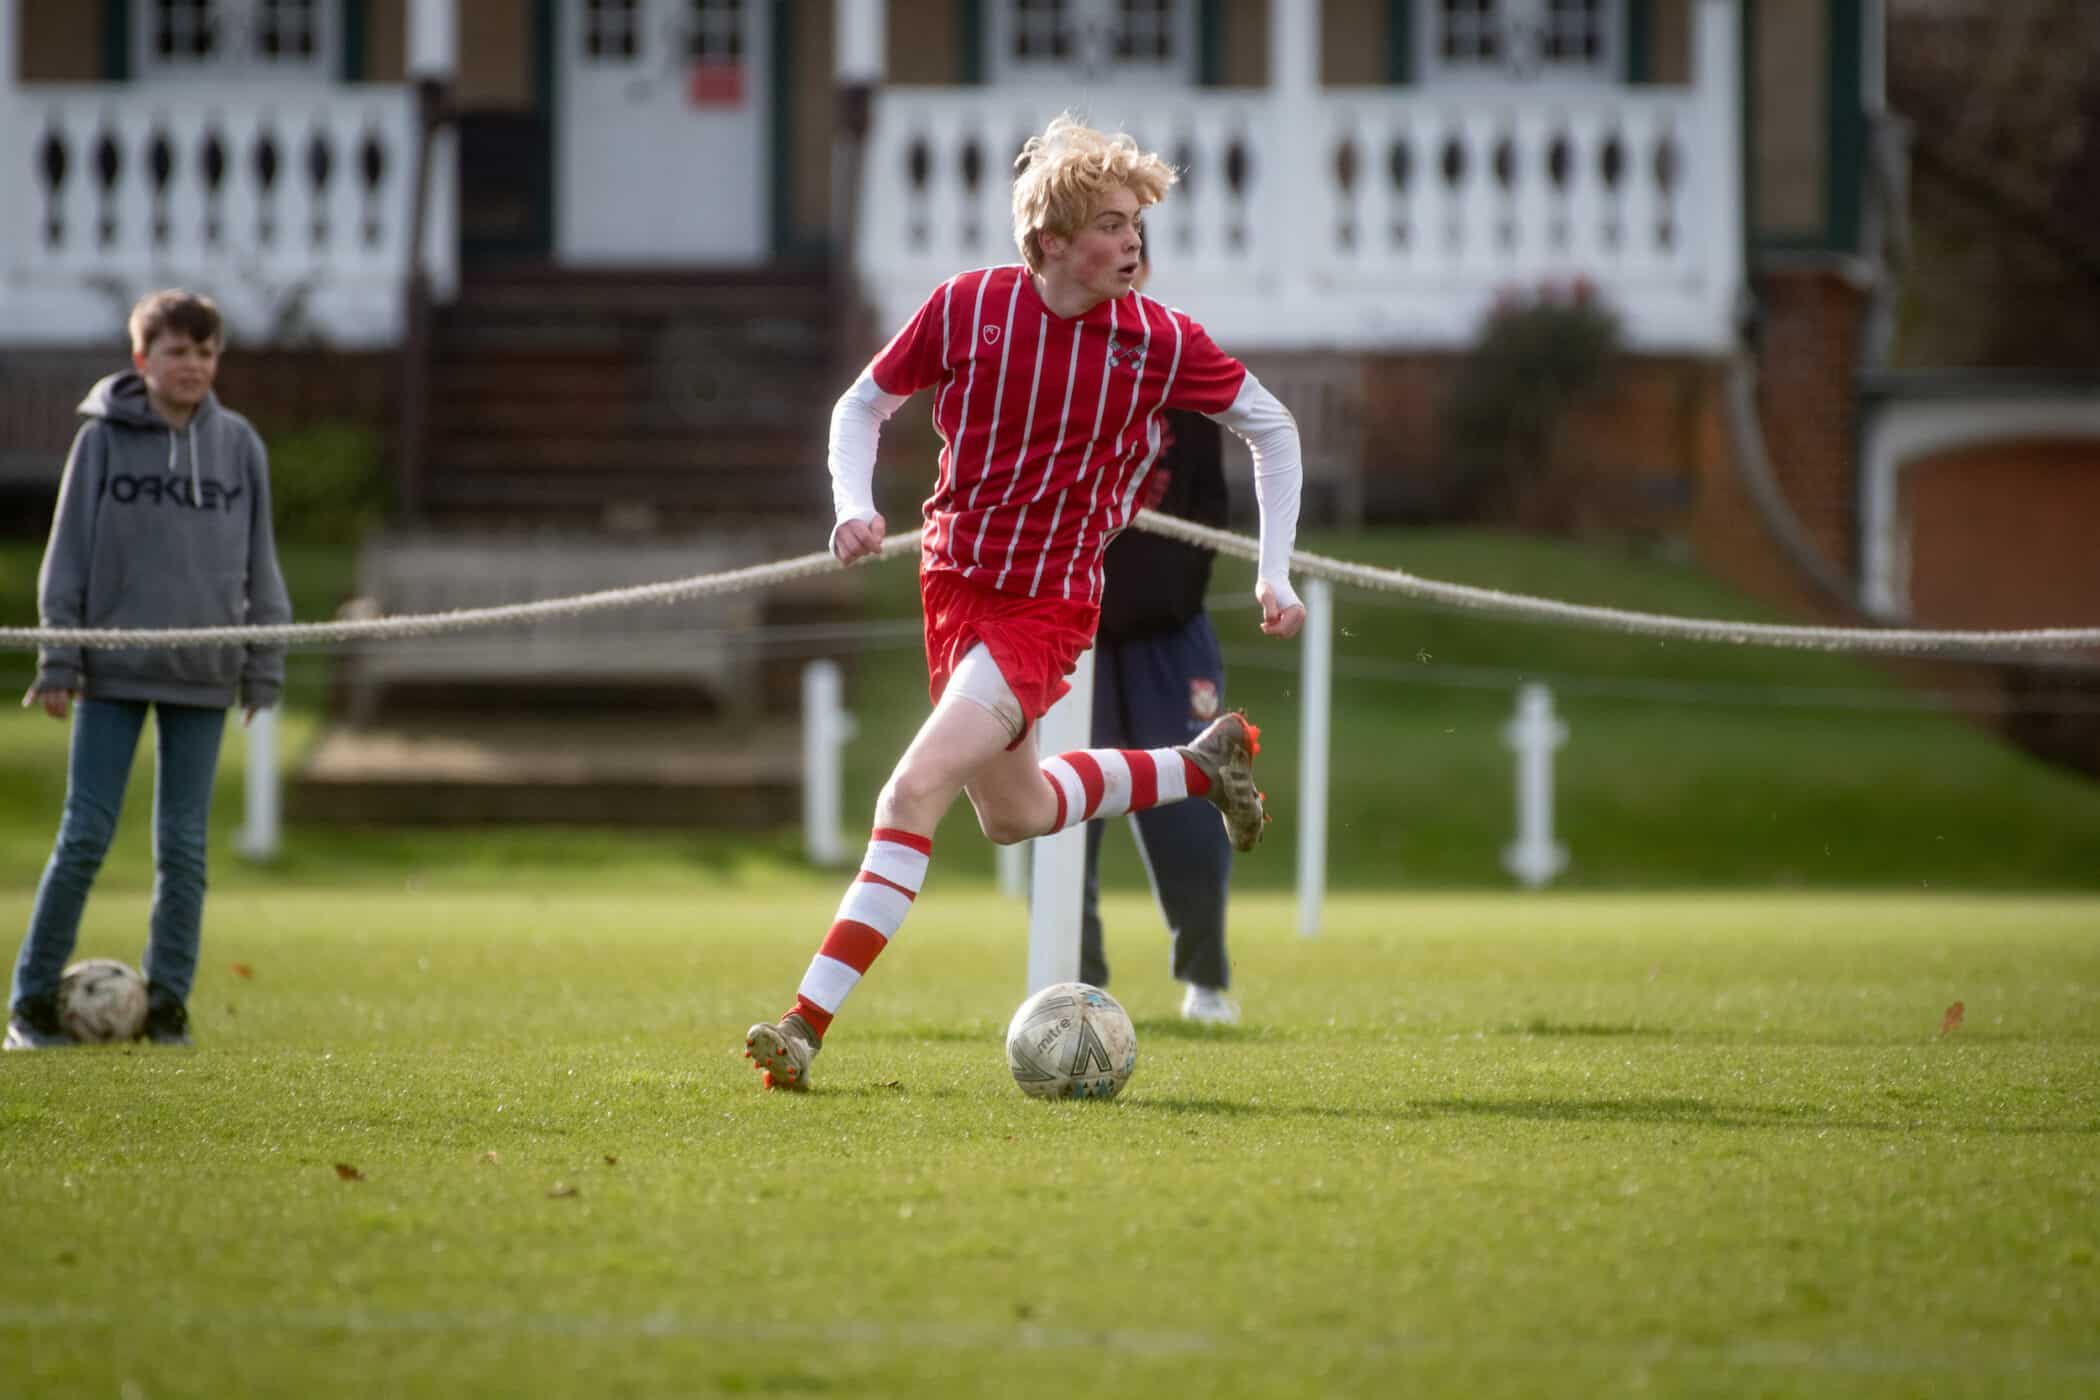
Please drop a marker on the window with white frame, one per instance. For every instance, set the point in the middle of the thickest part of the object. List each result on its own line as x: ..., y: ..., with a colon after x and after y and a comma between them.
x: 1520, y: 40
x: 612, y: 30
x: 1092, y: 40
x: 1146, y: 32
x: 715, y: 31
x: 1042, y: 31
x: 236, y: 39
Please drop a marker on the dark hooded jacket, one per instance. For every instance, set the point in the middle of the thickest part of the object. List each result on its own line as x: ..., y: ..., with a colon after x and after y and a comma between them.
x: 1153, y: 585
x: 162, y: 527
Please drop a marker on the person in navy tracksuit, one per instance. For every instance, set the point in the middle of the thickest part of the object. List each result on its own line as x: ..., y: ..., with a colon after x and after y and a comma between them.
x: 1158, y: 680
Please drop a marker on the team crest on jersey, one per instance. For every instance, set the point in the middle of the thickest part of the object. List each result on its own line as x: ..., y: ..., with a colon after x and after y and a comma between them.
x: 991, y: 335
x: 1126, y: 354
x: 1203, y: 699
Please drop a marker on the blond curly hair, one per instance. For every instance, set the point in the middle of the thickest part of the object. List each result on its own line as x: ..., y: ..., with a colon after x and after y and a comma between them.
x: 1061, y: 176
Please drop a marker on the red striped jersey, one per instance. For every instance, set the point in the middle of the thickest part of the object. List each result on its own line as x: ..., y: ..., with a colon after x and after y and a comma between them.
x: 1048, y: 424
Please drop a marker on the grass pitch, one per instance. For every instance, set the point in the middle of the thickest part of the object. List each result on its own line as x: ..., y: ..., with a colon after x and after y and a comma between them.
x: 502, y: 1143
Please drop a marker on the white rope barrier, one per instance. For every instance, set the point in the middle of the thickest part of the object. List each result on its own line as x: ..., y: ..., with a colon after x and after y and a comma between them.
x: 441, y: 623
x: 1881, y: 640
x: 1876, y: 640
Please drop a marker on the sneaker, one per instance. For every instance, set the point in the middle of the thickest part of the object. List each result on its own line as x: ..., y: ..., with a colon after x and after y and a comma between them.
x: 1225, y: 752
x: 167, y: 1019
x: 1209, y: 1005
x: 782, y: 1050
x: 32, y: 1024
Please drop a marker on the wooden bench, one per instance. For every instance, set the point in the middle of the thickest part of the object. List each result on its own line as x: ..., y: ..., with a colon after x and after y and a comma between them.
x: 703, y: 644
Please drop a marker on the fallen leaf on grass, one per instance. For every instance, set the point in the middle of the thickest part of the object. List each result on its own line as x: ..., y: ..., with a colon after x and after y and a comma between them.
x: 561, y: 1190
x: 1951, y: 1022
x: 611, y: 1161
x: 347, y: 1172
x: 491, y: 1158
x: 243, y: 970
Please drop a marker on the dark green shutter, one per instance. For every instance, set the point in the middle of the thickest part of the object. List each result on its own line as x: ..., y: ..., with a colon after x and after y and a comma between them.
x: 1399, y: 42
x: 781, y: 169
x: 353, y: 67
x: 116, y: 41
x: 1210, y: 43
x: 1640, y: 42
x: 1848, y: 122
x: 969, y: 16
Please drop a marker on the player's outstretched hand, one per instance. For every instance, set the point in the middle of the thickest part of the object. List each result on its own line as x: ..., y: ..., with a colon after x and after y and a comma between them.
x: 1276, y: 620
x: 855, y: 540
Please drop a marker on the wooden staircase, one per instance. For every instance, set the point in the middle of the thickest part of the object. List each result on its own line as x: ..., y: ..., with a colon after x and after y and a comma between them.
x: 643, y: 399
x: 586, y: 431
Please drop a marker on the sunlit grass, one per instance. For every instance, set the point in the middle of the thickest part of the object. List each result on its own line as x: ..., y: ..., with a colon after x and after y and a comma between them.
x: 1464, y: 1145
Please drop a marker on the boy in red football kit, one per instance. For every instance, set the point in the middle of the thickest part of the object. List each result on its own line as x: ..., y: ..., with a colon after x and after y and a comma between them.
x: 1051, y: 380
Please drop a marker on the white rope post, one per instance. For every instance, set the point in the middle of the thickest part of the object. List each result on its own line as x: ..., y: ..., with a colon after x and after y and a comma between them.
x: 826, y: 728
x: 1316, y: 705
x: 261, y: 832
x: 1013, y: 869
x: 1535, y: 857
x: 1058, y: 862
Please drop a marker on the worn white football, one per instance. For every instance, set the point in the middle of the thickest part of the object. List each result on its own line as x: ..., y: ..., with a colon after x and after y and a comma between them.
x: 100, y: 999
x: 1071, y: 1041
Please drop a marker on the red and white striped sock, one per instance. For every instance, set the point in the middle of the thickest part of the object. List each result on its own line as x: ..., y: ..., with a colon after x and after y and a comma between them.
x: 1092, y: 783
x: 875, y: 905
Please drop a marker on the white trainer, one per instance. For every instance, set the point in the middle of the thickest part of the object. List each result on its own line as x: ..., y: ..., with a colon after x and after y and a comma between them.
x: 1209, y: 1005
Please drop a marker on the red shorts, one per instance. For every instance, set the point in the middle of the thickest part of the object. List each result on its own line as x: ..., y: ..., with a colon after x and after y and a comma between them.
x: 1035, y: 642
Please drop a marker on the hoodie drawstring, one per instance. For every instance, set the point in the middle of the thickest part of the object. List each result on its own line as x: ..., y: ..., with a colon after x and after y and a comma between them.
x: 196, y: 485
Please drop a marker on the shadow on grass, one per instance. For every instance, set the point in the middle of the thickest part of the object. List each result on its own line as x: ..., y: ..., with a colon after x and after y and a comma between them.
x: 1228, y: 1108
x: 884, y: 1089
x: 1659, y: 1109
x: 939, y: 1035
x: 1539, y: 1025
x: 1645, y: 1111
x: 1177, y: 1029
x: 1711, y: 1114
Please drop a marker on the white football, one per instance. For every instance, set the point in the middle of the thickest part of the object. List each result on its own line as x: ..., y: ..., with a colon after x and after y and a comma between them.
x: 100, y: 999
x: 1071, y: 1041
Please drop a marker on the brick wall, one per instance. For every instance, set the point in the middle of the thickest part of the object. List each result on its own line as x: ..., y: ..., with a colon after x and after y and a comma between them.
x: 2003, y: 536
x: 274, y: 388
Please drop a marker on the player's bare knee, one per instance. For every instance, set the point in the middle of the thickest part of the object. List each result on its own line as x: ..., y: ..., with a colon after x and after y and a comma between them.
x: 911, y: 798
x: 1006, y: 828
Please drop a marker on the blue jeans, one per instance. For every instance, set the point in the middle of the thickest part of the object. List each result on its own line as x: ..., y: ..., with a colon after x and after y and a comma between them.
x: 186, y: 756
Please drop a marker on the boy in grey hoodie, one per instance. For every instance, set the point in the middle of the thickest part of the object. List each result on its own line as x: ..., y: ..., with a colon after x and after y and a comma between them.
x: 163, y: 520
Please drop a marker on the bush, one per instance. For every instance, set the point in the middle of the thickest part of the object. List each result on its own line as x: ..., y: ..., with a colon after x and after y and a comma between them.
x: 327, y: 481
x: 1537, y: 356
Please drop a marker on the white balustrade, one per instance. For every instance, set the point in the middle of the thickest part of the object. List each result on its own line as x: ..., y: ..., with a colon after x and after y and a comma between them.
x: 292, y: 209
x: 1425, y: 205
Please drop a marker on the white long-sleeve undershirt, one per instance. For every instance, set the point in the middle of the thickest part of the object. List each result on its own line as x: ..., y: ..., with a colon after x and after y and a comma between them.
x: 1271, y: 435
x: 856, y: 428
